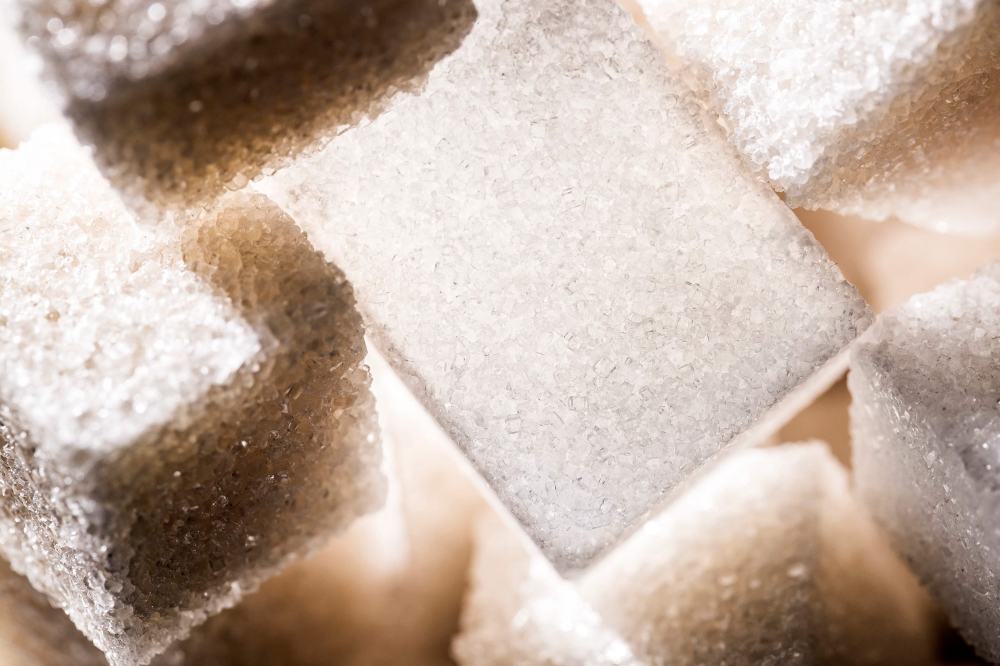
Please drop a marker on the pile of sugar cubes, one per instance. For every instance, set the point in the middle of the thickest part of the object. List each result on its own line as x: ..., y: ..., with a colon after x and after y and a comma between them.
x: 484, y: 332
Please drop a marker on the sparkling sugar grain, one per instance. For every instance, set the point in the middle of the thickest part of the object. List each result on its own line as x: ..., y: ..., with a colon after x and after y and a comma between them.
x: 571, y: 268
x: 926, y: 428
x: 180, y: 412
x: 859, y: 106
x: 766, y: 559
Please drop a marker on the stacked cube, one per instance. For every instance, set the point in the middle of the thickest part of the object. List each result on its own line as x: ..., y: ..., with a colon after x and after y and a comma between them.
x: 765, y: 559
x: 575, y: 270
x: 182, y: 409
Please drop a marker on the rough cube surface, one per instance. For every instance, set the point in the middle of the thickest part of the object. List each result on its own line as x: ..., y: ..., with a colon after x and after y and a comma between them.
x: 180, y: 411
x: 593, y: 309
x: 766, y: 559
x: 860, y: 106
x: 926, y: 428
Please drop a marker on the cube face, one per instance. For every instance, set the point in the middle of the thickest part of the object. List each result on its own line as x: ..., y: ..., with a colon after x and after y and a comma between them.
x: 593, y: 311
x: 106, y: 333
x: 925, y: 429
x: 140, y: 541
x: 829, y: 99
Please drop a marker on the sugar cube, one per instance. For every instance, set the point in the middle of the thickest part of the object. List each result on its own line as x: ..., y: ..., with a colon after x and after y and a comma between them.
x: 389, y: 591
x: 182, y: 409
x: 767, y: 558
x: 871, y: 107
x: 925, y: 422
x: 571, y: 268
x: 179, y: 109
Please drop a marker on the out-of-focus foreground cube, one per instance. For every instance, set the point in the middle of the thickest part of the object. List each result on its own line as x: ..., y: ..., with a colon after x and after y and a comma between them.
x: 385, y: 593
x: 766, y: 559
x: 181, y: 411
x: 874, y: 108
x: 183, y: 100
x: 926, y: 430
x: 570, y: 267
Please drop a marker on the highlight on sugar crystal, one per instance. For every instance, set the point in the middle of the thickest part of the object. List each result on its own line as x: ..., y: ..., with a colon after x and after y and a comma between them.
x: 182, y: 409
x: 926, y: 428
x: 591, y: 312
x: 767, y: 558
x: 870, y: 108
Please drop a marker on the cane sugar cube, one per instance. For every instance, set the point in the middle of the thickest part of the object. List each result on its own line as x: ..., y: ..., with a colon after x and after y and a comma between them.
x: 183, y: 100
x: 520, y: 612
x: 181, y: 409
x: 875, y: 108
x: 767, y: 558
x: 925, y: 423
x: 571, y: 268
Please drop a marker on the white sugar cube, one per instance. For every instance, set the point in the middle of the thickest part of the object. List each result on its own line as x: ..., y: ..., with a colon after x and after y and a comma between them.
x: 181, y: 411
x: 926, y: 428
x: 765, y: 559
x: 571, y: 268
x: 871, y: 107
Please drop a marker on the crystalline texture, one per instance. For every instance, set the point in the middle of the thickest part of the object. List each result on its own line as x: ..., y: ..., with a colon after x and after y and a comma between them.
x: 766, y: 559
x: 861, y: 106
x: 926, y: 431
x: 570, y: 268
x: 180, y: 411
